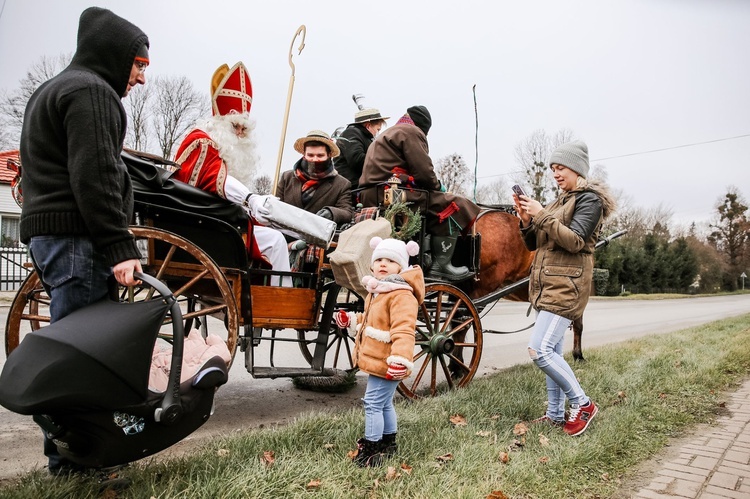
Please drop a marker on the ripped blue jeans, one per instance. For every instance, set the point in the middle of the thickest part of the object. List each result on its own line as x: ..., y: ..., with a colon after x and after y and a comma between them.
x: 545, y: 349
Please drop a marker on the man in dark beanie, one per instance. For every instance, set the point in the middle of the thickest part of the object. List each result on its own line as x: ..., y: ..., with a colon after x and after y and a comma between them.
x: 402, y: 151
x: 78, y: 199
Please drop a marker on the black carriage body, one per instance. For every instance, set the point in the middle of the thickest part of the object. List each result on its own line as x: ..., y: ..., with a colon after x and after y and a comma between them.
x: 220, y: 229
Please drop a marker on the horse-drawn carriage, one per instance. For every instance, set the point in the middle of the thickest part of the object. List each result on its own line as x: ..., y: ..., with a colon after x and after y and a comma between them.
x: 196, y: 244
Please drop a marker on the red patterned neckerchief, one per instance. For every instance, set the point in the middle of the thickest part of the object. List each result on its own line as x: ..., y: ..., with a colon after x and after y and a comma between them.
x: 310, y: 180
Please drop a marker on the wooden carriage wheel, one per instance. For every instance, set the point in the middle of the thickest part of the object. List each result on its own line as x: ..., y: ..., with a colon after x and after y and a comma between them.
x: 448, y: 343
x: 193, y: 277
x: 340, y: 345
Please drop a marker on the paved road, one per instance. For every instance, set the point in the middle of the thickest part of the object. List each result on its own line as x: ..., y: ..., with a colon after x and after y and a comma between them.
x: 246, y: 402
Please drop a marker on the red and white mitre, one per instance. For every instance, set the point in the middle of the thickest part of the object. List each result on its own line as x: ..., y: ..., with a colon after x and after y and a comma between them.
x: 231, y: 90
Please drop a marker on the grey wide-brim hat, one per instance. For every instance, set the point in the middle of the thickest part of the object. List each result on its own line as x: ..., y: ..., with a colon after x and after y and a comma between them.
x: 317, y: 136
x: 366, y: 115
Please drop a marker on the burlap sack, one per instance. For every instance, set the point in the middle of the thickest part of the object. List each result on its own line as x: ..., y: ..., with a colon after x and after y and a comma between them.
x: 350, y: 261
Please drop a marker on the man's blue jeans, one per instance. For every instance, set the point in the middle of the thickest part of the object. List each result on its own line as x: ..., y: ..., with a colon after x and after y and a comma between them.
x: 380, y: 415
x: 76, y: 275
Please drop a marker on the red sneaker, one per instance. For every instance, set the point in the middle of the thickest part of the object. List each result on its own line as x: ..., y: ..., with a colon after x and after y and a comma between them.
x: 549, y: 421
x: 579, y: 418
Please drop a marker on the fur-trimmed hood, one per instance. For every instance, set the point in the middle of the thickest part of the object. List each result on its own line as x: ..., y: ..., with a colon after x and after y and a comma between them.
x: 609, y: 205
x: 412, y: 279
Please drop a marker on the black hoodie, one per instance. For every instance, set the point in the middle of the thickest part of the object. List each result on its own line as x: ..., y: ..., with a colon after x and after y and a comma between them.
x: 74, y: 180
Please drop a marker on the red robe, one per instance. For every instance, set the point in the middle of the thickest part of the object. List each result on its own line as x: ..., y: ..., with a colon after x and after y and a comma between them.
x: 201, y: 166
x: 200, y: 163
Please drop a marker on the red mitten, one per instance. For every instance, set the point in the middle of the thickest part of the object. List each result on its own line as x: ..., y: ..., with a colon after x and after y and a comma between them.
x: 396, y: 371
x: 343, y: 320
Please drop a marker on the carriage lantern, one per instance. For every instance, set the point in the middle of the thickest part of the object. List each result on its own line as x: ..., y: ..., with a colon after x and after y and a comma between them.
x: 393, y: 193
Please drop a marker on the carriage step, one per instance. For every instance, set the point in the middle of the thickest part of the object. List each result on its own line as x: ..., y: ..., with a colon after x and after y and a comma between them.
x: 287, y: 372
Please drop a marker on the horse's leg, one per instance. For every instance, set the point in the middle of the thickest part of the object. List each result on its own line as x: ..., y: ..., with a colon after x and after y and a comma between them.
x: 577, y: 332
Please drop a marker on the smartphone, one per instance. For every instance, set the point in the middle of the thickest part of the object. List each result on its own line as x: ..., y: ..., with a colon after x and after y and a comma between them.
x: 518, y: 190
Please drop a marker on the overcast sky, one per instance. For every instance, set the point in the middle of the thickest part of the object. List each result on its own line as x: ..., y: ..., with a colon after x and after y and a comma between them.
x: 627, y: 77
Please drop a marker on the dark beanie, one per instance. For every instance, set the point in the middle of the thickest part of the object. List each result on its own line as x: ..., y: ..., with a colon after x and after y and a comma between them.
x: 421, y: 117
x: 142, y: 54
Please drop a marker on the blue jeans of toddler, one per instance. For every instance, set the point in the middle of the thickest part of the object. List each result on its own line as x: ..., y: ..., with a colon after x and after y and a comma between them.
x: 380, y: 415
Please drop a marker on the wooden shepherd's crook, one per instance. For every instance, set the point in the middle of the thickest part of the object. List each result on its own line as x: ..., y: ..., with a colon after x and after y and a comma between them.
x: 301, y: 30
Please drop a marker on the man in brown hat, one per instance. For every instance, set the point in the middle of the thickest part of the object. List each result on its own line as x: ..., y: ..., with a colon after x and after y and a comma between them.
x: 314, y: 184
x: 354, y: 142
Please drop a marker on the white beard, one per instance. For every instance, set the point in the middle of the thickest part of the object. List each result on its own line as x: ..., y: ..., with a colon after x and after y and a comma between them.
x: 238, y: 153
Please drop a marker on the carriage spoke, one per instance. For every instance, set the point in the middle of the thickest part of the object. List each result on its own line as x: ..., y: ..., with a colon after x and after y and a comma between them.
x: 449, y: 318
x: 191, y: 283
x: 458, y: 361
x: 447, y: 373
x: 433, y: 377
x: 420, y: 374
x: 205, y: 311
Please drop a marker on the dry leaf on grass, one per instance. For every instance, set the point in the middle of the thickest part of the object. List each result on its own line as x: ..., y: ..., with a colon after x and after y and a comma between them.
x: 268, y: 458
x: 445, y: 458
x: 391, y: 473
x: 520, y: 429
x: 544, y: 459
x: 605, y: 477
x: 497, y: 494
x: 483, y: 433
x: 329, y: 446
x: 458, y: 420
x: 352, y: 453
x: 495, y: 417
x: 222, y: 452
x: 543, y: 441
x: 406, y: 468
x: 517, y: 444
x: 504, y: 457
x: 313, y: 484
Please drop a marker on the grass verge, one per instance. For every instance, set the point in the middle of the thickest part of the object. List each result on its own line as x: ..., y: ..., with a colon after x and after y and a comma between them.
x: 649, y: 390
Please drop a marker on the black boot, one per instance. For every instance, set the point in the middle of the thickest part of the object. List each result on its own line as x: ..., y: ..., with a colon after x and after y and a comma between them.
x: 368, y: 453
x: 388, y: 445
x: 442, y: 253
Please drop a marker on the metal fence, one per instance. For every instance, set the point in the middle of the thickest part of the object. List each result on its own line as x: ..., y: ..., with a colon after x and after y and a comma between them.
x: 15, y: 265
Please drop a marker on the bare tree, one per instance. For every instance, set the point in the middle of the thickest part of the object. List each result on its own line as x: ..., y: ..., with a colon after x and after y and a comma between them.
x: 453, y: 173
x: 532, y: 155
x: 496, y: 193
x: 176, y: 107
x: 136, y: 105
x: 262, y: 184
x: 13, y: 104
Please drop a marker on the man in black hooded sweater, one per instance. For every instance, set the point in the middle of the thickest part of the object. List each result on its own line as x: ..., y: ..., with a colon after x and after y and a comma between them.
x: 78, y: 199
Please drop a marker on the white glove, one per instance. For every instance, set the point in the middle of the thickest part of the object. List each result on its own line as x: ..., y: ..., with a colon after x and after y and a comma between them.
x: 256, y: 208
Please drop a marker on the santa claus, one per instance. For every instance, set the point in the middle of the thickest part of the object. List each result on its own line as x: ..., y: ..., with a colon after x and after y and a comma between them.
x: 218, y: 156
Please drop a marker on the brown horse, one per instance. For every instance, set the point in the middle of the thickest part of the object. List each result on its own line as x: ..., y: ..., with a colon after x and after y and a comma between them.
x: 504, y: 259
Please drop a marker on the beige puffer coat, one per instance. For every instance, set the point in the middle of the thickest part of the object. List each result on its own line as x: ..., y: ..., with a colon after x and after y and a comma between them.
x: 386, y: 330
